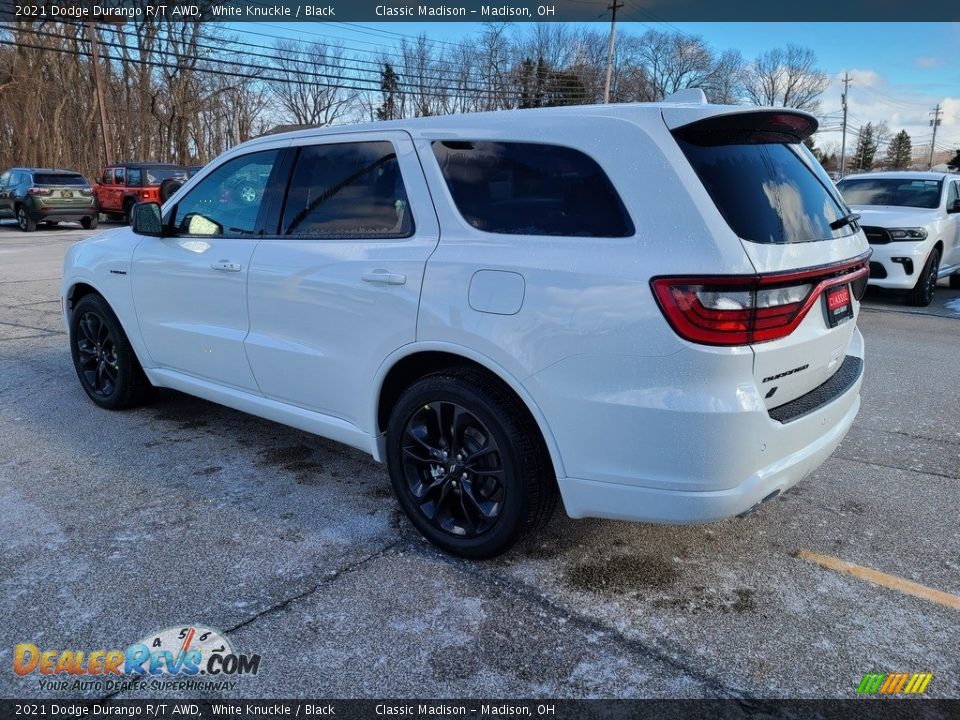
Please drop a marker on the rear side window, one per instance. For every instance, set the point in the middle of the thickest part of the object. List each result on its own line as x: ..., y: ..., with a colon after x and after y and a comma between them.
x: 768, y: 192
x: 531, y: 189
x: 347, y: 190
x: 118, y: 176
x: 58, y: 179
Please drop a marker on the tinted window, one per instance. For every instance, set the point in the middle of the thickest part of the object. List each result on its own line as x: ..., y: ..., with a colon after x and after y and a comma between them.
x: 897, y: 192
x: 5, y: 179
x: 107, y: 178
x: 58, y: 179
x: 347, y: 190
x: 156, y: 175
x: 134, y: 177
x: 954, y: 194
x: 531, y: 189
x: 118, y: 176
x: 767, y: 192
x: 227, y: 202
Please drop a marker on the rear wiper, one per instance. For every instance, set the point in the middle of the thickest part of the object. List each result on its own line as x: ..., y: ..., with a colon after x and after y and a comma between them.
x: 845, y: 220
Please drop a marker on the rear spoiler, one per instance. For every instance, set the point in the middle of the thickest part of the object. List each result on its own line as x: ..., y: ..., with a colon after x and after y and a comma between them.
x: 748, y: 125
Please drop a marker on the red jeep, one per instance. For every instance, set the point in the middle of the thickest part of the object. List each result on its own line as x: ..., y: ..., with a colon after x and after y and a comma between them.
x: 124, y: 184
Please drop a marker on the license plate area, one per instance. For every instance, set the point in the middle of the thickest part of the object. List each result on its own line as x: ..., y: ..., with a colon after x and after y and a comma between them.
x: 66, y: 193
x: 838, y: 305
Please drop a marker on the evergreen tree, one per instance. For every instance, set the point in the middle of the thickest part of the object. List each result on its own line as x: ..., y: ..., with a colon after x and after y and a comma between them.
x: 389, y: 87
x: 900, y: 151
x: 866, y: 149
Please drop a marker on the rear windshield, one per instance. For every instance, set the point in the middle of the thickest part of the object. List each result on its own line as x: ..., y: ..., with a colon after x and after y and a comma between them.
x: 768, y: 192
x: 58, y: 179
x: 156, y: 175
x: 897, y: 192
x: 531, y: 189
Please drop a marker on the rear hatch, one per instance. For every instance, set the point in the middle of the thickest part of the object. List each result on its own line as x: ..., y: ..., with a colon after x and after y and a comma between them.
x: 61, y: 189
x: 798, y: 313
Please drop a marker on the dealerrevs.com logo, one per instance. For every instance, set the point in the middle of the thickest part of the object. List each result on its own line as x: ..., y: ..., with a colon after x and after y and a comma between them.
x: 179, y: 658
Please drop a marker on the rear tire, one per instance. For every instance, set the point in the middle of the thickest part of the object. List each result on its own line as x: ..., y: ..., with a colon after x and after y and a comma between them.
x: 89, y: 223
x: 128, y: 211
x: 468, y: 464
x: 24, y: 221
x: 106, y: 365
x: 922, y: 293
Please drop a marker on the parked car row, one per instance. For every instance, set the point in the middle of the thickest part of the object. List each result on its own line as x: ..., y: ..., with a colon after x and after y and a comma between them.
x: 50, y: 196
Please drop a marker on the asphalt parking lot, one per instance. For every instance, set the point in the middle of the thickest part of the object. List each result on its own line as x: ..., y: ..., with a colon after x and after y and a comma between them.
x: 117, y: 525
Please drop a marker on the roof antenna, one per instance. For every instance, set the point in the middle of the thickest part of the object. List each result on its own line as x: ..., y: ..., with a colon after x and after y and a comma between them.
x: 687, y: 95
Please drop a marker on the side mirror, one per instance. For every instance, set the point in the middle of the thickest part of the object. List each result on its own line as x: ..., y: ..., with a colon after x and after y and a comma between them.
x: 145, y: 219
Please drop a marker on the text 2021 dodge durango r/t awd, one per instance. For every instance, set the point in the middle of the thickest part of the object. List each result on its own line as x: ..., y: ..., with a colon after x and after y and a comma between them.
x: 647, y: 311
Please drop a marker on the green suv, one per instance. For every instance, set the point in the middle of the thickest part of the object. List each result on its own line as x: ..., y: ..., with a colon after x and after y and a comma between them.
x: 41, y: 195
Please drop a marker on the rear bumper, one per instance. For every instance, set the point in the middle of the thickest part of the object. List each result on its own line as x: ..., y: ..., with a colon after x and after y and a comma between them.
x: 588, y: 498
x: 686, y: 452
x: 65, y: 214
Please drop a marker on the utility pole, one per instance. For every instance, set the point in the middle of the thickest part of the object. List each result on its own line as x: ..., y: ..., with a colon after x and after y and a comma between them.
x: 843, y: 142
x: 98, y: 83
x: 613, y: 32
x: 935, y: 122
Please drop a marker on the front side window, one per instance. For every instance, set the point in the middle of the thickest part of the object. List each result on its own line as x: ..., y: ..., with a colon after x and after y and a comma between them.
x: 531, y: 189
x: 107, y: 178
x: 228, y: 201
x: 347, y: 190
x: 894, y: 192
x: 953, y: 195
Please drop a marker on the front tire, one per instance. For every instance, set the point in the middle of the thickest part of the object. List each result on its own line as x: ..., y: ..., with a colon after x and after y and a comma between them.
x: 24, y: 221
x: 89, y: 223
x: 468, y: 464
x: 922, y: 293
x: 106, y: 365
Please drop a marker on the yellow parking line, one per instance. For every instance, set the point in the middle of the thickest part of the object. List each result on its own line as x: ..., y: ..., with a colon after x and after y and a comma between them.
x: 878, y: 578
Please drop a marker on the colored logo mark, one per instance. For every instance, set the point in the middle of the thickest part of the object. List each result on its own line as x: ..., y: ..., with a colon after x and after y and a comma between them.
x: 894, y: 683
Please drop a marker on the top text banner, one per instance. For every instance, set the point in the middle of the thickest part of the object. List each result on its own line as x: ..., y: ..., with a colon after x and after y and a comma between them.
x: 645, y: 11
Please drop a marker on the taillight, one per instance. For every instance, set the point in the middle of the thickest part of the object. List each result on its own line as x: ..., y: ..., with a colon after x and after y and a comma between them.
x: 86, y: 191
x: 39, y: 191
x: 746, y: 309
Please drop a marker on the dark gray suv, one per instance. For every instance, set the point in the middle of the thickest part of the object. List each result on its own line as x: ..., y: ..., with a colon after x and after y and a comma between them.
x: 42, y: 195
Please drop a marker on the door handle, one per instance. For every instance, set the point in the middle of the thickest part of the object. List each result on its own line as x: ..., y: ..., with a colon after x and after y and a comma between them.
x: 225, y: 266
x: 384, y: 277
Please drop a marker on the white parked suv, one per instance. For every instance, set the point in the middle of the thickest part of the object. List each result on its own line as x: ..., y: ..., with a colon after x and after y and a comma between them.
x: 648, y: 311
x: 912, y: 222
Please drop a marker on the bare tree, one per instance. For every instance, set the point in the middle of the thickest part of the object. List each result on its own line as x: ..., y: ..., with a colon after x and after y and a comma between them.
x: 786, y: 78
x: 313, y: 81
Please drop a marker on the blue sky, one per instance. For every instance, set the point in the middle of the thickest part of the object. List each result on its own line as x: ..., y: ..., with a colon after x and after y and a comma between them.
x: 900, y: 70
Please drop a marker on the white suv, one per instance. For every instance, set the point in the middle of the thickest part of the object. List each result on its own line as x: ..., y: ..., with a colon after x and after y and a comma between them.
x: 646, y: 310
x: 912, y: 222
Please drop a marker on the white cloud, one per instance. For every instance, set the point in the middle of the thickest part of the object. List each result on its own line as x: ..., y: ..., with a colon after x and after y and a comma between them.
x: 927, y: 62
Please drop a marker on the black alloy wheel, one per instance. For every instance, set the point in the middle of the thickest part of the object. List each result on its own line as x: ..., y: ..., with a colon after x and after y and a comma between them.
x: 922, y: 293
x: 105, y: 362
x: 97, y: 353
x: 468, y: 463
x: 453, y: 468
